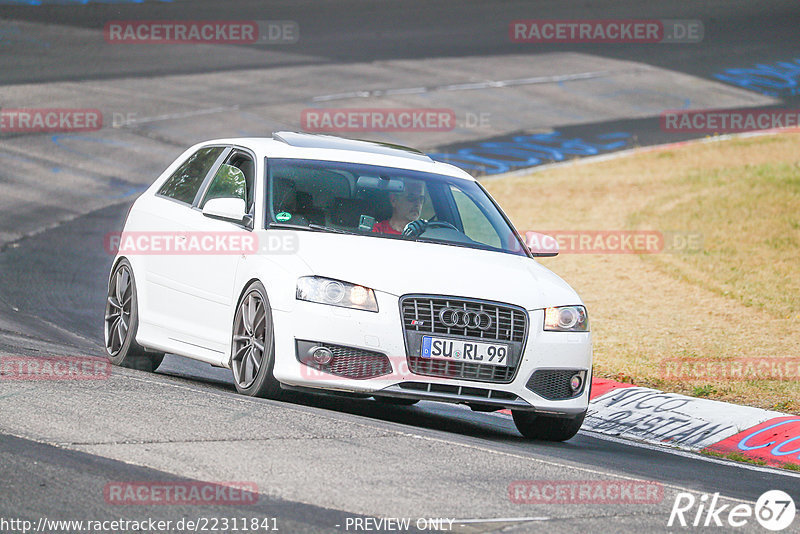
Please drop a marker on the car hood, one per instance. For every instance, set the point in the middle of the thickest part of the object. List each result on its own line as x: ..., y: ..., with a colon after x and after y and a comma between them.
x: 402, y: 267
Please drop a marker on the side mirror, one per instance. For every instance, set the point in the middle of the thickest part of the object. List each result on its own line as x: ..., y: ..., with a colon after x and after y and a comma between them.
x: 228, y: 209
x: 541, y: 245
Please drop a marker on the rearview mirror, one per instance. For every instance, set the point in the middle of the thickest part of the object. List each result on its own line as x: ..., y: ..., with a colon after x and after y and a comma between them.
x: 541, y: 245
x: 229, y: 209
x: 382, y: 183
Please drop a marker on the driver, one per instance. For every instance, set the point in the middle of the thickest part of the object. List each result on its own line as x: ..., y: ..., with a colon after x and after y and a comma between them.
x: 406, y: 207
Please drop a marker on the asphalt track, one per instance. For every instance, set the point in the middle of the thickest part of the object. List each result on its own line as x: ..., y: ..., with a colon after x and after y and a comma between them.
x: 316, y: 460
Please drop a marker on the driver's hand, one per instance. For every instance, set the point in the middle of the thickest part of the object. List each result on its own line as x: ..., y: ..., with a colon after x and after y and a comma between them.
x: 414, y: 228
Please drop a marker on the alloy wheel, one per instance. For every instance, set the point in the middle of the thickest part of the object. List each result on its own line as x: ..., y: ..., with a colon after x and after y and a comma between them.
x: 249, y: 339
x: 118, y: 310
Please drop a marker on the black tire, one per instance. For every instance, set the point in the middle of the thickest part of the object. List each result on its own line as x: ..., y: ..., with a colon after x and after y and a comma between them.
x: 253, y: 345
x: 122, y: 322
x: 546, y: 427
x: 396, y: 401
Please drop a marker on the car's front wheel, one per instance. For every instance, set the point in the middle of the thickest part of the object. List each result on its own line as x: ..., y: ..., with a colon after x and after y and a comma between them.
x: 253, y: 345
x: 547, y: 427
x: 122, y: 322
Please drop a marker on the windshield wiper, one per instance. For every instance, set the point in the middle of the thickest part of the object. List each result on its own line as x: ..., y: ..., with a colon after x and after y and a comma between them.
x: 323, y: 228
x: 286, y: 226
x: 314, y: 227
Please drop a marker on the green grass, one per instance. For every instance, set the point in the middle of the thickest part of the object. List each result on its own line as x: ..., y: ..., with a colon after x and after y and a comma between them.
x: 704, y: 391
x: 735, y: 456
x: 749, y: 217
x: 736, y: 298
x: 739, y: 457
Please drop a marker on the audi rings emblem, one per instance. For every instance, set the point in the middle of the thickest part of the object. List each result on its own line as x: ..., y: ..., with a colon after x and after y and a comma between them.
x: 455, y: 318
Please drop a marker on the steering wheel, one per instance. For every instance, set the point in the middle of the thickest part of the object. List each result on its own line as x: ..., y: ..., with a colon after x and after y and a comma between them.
x: 440, y: 224
x: 416, y: 228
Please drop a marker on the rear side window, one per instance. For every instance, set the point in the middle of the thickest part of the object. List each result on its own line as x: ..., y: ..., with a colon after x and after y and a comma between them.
x: 184, y: 182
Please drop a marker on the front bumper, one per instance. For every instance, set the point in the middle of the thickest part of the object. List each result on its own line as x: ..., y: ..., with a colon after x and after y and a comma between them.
x: 383, y: 333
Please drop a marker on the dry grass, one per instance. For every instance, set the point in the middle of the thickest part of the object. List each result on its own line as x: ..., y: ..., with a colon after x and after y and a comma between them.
x: 736, y: 299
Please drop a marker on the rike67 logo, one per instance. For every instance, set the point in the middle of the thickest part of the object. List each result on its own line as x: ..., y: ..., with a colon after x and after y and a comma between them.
x: 774, y: 510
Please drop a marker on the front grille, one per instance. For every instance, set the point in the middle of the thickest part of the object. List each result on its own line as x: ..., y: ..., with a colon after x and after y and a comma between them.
x: 553, y: 384
x: 349, y: 362
x: 422, y: 316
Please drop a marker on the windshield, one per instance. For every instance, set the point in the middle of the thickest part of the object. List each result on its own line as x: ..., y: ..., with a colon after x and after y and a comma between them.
x: 385, y: 202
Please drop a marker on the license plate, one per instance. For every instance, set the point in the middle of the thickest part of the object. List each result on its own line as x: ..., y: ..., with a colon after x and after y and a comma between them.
x: 439, y: 348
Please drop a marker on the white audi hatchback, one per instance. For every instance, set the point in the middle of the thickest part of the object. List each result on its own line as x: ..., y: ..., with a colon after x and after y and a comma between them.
x: 318, y: 263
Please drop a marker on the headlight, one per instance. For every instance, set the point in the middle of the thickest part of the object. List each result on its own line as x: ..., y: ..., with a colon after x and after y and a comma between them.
x: 566, y: 319
x: 336, y: 293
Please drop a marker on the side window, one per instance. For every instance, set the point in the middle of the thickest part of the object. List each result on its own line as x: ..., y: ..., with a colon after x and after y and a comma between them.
x: 228, y: 182
x: 476, y: 226
x: 235, y: 179
x: 184, y: 182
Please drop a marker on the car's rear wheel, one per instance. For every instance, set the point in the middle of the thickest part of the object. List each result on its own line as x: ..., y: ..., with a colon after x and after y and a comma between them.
x: 122, y: 322
x: 547, y: 427
x: 253, y: 345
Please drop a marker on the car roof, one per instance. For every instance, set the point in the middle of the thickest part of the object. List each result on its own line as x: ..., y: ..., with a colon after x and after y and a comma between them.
x: 339, y: 143
x: 330, y: 148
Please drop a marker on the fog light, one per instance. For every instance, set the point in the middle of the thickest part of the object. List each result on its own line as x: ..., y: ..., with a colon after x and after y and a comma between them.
x: 575, y: 382
x: 321, y: 355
